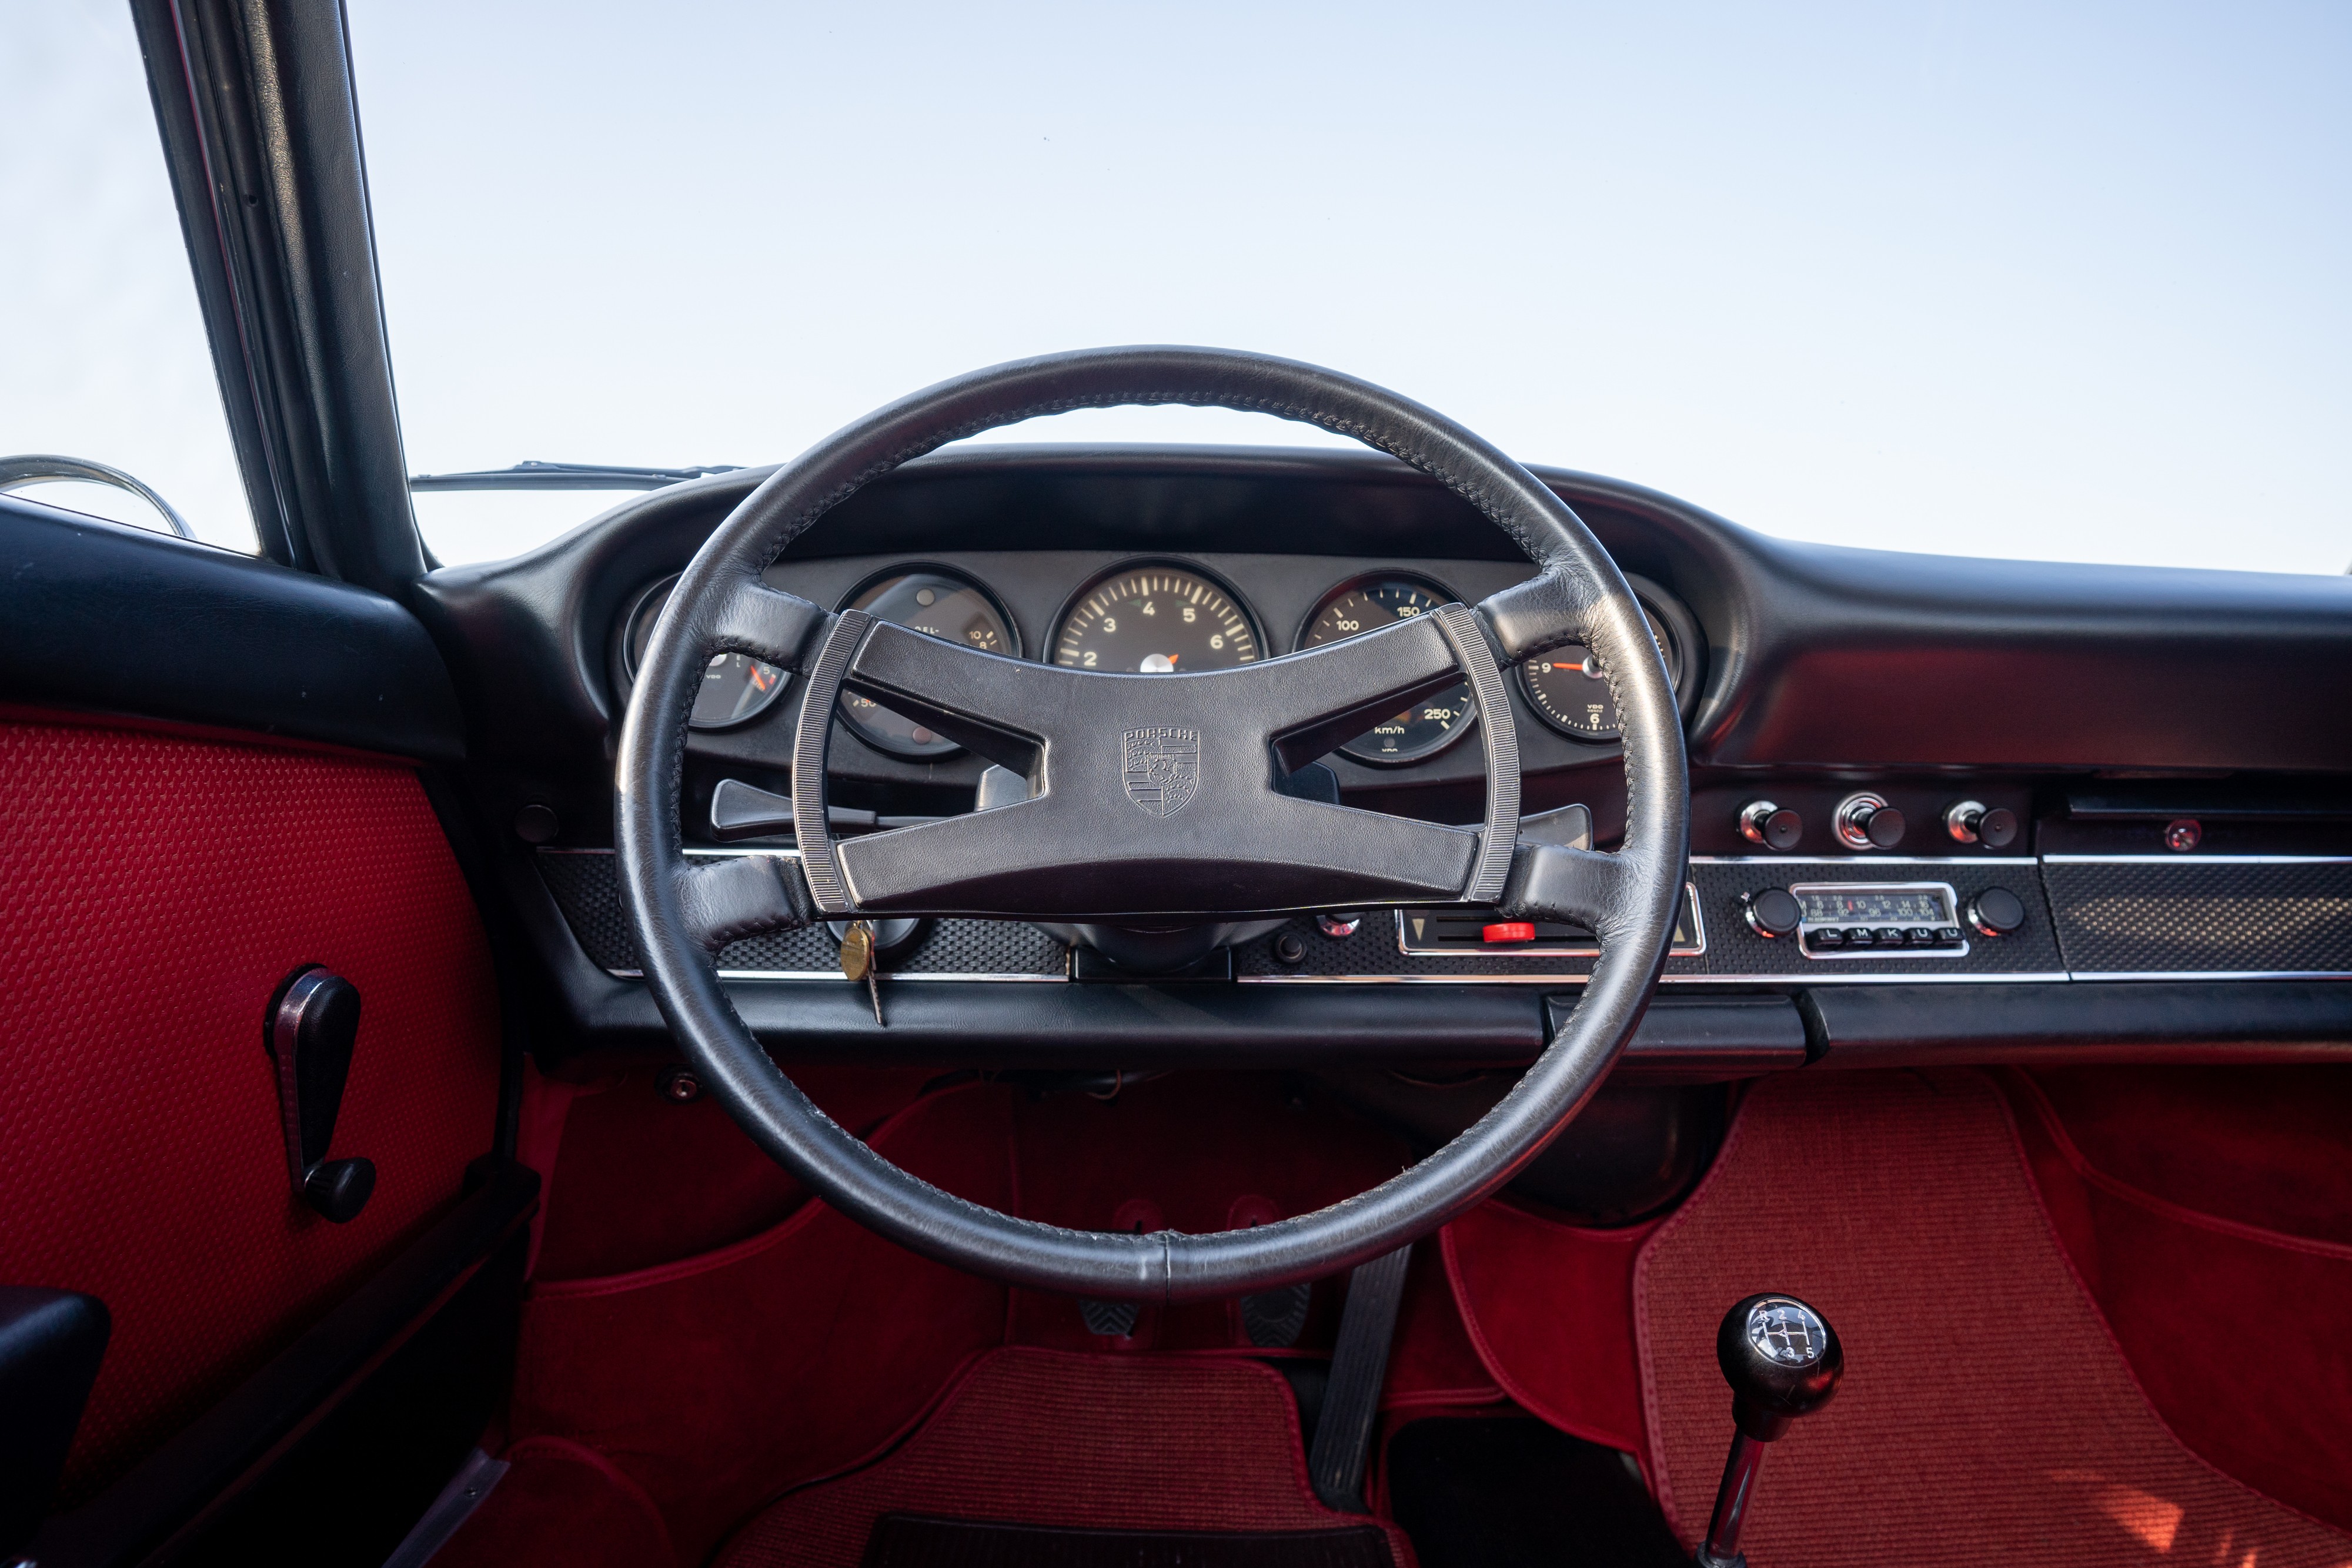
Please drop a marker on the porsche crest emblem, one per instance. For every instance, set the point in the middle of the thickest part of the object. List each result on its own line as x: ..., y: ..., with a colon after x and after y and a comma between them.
x: 1163, y: 769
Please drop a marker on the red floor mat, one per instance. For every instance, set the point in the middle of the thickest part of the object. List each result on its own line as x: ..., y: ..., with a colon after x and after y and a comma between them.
x: 1089, y: 1442
x: 1986, y: 1415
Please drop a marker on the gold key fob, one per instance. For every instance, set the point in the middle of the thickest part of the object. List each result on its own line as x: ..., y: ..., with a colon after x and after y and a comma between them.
x: 857, y: 962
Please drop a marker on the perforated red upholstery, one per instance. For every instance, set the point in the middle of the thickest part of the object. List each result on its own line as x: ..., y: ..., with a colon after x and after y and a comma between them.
x: 154, y: 889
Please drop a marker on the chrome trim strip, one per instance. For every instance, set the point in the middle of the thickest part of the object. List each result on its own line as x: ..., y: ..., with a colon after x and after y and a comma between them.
x: 2019, y: 977
x: 2198, y: 860
x: 1877, y: 859
x: 729, y: 852
x: 836, y: 974
x: 1690, y: 891
x: 2212, y: 975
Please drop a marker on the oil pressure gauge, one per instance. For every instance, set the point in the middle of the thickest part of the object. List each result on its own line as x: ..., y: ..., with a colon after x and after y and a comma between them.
x: 1570, y: 690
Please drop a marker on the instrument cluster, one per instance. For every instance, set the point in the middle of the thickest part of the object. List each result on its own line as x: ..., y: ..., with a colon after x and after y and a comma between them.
x: 1167, y: 616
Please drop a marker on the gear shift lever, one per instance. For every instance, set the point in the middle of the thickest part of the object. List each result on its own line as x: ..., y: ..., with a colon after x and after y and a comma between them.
x: 1783, y: 1360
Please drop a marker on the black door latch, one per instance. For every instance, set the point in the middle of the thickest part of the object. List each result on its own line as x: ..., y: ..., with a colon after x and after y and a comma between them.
x: 313, y: 1023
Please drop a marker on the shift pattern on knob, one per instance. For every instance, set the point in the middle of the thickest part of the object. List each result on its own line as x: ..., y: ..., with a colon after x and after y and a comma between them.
x: 1787, y: 1332
x: 1783, y: 1360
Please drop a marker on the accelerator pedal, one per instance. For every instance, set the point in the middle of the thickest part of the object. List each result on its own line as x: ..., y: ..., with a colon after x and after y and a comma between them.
x: 1359, y: 1366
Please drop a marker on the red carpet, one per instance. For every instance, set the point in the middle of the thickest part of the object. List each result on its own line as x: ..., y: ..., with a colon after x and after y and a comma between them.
x: 1081, y: 1441
x: 1986, y: 1415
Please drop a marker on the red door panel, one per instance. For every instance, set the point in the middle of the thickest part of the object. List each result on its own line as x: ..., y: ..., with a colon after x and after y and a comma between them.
x: 153, y: 891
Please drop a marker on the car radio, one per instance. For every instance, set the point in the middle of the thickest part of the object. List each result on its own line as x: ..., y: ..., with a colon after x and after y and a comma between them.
x: 1859, y: 920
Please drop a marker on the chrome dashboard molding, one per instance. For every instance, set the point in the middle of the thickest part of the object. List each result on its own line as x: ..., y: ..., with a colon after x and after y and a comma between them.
x: 1758, y: 982
x: 1697, y: 949
x: 1876, y: 860
x: 836, y: 974
x: 2210, y: 975
x: 2194, y: 859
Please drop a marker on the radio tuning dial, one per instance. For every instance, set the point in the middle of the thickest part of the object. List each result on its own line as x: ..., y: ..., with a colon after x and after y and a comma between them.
x: 1996, y: 912
x: 1773, y: 826
x: 1772, y: 911
x: 1865, y: 822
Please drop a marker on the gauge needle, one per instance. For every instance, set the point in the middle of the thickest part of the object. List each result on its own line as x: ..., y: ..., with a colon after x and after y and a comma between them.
x: 1159, y: 664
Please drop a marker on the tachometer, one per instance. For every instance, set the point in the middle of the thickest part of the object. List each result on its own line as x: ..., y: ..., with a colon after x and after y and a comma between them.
x: 940, y: 604
x: 1571, y: 691
x: 1429, y: 725
x: 735, y: 688
x: 1156, y: 620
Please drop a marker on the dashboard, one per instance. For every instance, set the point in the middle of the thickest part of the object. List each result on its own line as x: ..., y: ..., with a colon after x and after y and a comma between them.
x: 1940, y: 806
x: 1155, y: 615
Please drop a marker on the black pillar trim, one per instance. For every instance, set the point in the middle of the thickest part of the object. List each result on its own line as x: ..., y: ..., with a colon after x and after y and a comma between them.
x: 261, y: 127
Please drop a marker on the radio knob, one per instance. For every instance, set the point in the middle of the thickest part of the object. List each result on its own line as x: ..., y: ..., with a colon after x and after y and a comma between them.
x: 1996, y: 912
x: 1774, y: 826
x: 1970, y: 821
x: 1865, y: 822
x: 1771, y: 911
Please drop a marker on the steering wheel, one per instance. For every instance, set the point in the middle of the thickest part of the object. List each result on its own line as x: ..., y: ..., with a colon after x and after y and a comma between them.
x: 1158, y: 796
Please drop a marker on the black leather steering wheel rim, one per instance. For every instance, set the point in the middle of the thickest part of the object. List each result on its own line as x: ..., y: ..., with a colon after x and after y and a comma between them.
x: 681, y: 915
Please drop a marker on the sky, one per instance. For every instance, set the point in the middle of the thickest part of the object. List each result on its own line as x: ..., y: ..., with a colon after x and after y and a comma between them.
x: 2051, y: 282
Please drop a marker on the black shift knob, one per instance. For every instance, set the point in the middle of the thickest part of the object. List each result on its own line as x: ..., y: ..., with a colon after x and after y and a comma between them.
x: 1783, y: 1360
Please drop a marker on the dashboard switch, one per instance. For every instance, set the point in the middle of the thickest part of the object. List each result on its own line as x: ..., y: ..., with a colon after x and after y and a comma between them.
x: 1774, y: 826
x: 1996, y: 912
x: 1771, y: 911
x: 1510, y: 931
x: 1865, y: 822
x: 1972, y: 821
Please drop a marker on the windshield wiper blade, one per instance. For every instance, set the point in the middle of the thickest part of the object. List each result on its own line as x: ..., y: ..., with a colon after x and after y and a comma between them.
x: 536, y: 475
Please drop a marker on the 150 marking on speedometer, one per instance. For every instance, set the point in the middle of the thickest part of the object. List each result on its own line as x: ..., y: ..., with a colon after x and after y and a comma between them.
x: 1155, y: 620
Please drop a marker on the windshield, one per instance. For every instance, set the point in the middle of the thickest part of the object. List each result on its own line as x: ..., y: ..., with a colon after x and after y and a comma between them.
x: 2028, y: 282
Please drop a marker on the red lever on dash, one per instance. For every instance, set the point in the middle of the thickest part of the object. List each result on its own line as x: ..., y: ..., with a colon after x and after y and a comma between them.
x: 1510, y: 931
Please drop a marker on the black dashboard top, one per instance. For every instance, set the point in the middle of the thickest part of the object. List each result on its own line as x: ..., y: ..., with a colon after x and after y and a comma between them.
x: 1814, y: 656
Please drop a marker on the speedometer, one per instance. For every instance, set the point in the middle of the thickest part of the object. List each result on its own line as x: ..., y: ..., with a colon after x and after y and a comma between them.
x: 1429, y: 725
x: 1155, y: 620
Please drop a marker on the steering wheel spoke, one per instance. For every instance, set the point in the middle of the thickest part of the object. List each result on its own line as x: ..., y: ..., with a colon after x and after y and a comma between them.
x: 997, y: 707
x: 724, y: 901
x: 1318, y: 700
x: 1581, y: 887
x: 1041, y: 858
